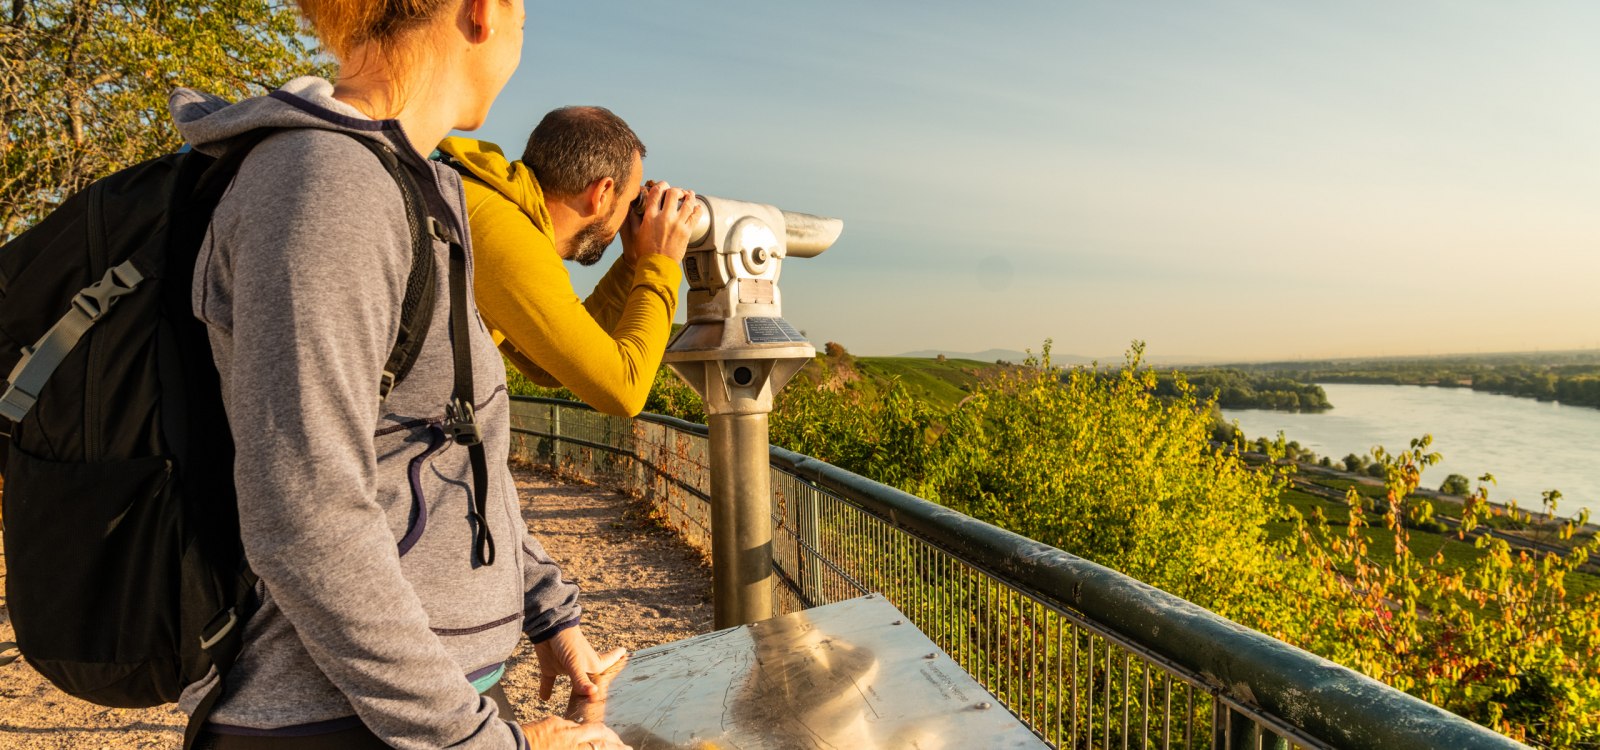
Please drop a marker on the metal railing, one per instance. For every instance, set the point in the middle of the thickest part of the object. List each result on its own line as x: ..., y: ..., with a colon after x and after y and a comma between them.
x: 1085, y: 656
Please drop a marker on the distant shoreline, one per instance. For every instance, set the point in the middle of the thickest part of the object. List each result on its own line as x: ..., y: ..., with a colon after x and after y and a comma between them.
x: 1459, y: 385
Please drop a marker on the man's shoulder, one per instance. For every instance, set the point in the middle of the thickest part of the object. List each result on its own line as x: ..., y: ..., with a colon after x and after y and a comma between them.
x: 508, y: 248
x: 491, y: 213
x: 478, y: 190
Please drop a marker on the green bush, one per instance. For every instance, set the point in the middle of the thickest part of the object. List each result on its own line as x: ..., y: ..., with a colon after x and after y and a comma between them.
x: 1455, y: 484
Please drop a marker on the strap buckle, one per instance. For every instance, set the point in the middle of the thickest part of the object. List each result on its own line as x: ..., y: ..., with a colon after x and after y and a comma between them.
x: 94, y: 300
x: 215, y: 631
x: 441, y: 232
x: 39, y: 361
x: 461, y: 422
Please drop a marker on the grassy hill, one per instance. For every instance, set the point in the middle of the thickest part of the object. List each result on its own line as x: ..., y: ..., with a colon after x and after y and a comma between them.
x: 940, y: 383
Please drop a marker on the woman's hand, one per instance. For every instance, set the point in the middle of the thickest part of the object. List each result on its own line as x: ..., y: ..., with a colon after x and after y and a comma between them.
x: 556, y: 733
x: 569, y: 653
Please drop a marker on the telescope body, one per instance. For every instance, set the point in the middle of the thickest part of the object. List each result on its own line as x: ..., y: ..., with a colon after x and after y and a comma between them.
x: 737, y: 351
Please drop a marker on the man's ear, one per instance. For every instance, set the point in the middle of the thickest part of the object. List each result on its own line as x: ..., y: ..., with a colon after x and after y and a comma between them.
x: 600, y: 195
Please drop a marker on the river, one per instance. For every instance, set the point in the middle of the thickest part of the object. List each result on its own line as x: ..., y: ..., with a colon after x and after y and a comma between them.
x: 1530, y: 446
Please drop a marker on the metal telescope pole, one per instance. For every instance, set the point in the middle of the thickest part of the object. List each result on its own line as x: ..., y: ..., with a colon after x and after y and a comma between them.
x: 741, y: 520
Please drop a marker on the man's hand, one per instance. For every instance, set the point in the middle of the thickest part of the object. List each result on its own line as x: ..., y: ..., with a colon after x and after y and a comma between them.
x: 569, y: 653
x: 669, y: 217
x: 556, y: 733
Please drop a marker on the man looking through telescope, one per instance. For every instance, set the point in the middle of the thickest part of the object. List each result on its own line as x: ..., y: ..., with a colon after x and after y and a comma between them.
x: 566, y: 199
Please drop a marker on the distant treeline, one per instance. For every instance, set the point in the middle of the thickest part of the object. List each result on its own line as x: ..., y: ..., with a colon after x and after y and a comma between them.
x: 1236, y: 389
x: 1570, y: 378
x: 1549, y: 384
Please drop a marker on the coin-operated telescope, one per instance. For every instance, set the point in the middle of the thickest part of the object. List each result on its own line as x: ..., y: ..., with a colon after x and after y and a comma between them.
x: 737, y: 351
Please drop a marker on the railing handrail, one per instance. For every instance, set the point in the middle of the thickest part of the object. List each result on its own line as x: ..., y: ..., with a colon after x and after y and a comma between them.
x: 1324, y: 699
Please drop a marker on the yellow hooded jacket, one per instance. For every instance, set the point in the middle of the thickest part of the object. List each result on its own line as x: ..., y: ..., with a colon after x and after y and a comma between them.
x: 606, y: 349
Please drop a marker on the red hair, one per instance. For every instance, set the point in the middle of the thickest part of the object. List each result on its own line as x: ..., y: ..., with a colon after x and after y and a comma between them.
x: 343, y: 25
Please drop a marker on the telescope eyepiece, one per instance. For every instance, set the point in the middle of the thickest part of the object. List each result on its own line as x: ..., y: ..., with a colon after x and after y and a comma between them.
x: 702, y: 224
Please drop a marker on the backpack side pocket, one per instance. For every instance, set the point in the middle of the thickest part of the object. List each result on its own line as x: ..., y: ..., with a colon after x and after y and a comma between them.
x: 93, y: 552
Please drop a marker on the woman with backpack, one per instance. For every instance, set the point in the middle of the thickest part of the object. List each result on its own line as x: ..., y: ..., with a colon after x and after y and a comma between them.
x: 396, y: 573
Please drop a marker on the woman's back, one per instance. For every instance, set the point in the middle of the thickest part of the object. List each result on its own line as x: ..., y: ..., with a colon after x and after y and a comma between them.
x: 354, y: 513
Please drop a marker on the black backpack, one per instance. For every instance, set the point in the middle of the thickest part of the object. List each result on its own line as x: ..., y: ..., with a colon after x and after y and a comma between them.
x: 126, y: 578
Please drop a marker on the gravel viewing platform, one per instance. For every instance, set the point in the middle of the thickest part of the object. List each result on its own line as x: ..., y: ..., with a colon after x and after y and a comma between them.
x: 642, y: 587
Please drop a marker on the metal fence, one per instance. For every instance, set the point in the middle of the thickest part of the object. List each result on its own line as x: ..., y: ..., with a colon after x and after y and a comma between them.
x: 1085, y: 656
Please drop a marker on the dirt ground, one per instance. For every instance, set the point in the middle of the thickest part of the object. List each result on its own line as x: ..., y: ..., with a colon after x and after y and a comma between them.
x: 641, y: 587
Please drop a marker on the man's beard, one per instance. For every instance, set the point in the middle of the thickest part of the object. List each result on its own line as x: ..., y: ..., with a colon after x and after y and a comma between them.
x: 591, y: 242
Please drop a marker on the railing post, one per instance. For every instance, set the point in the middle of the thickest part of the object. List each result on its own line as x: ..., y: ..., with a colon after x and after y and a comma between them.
x: 806, y: 515
x: 555, y: 429
x: 1231, y: 730
x: 1219, y: 725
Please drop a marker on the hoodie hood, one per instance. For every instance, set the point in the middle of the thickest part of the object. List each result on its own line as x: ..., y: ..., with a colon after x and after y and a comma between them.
x: 511, y: 179
x: 208, y: 123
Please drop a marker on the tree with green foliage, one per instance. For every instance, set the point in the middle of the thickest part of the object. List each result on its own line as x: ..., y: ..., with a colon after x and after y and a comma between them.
x: 84, y: 84
x: 1236, y: 389
x: 1101, y: 467
x: 1107, y: 469
x: 1455, y: 484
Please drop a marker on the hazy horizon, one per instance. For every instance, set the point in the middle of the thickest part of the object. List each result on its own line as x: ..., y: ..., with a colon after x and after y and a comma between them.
x: 1205, y: 360
x: 1234, y: 181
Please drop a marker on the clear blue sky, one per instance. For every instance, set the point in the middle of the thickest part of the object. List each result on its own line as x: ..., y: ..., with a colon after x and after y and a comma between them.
x: 1237, y: 180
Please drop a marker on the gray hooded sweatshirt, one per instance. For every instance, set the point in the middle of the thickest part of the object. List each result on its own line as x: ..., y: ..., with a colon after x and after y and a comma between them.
x: 354, y: 512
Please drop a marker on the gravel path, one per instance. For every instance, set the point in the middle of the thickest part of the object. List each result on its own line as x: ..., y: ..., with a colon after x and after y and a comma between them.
x: 641, y: 585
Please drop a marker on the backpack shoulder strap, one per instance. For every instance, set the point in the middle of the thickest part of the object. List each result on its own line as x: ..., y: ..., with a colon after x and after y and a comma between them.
x: 461, y: 419
x: 416, y: 312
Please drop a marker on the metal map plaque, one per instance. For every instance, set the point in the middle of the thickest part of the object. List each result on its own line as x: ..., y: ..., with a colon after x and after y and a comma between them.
x: 855, y: 675
x: 771, y: 331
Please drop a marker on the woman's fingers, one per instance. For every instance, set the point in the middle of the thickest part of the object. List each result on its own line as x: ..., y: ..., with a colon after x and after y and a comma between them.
x: 610, y: 658
x: 556, y: 733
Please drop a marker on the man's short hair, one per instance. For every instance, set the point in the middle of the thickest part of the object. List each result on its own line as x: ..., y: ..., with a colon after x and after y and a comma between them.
x: 574, y: 146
